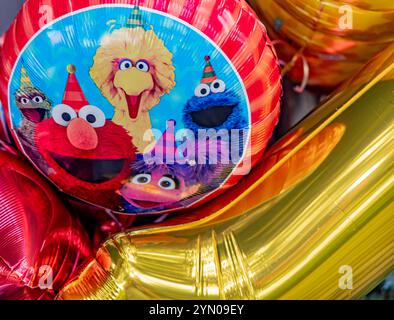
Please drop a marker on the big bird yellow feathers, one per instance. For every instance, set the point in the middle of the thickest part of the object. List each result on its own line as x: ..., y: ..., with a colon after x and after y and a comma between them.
x: 134, y: 69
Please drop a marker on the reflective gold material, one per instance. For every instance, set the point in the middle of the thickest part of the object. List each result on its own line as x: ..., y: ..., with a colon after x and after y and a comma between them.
x: 337, y: 36
x: 321, y: 201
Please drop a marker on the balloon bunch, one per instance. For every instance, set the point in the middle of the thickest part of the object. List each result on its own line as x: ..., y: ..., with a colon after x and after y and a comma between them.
x: 322, y: 43
x: 145, y: 107
x: 155, y: 110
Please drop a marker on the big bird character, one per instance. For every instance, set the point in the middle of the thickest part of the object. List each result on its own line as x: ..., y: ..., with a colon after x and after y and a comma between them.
x: 133, y: 69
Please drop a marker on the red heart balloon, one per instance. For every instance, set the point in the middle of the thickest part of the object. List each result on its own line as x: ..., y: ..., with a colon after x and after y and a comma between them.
x: 41, y: 244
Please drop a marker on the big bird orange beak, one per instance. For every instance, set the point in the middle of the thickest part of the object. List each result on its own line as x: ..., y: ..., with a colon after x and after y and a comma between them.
x: 134, y: 83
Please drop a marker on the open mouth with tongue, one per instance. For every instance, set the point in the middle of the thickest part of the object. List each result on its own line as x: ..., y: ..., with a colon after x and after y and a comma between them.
x: 146, y: 204
x: 90, y: 170
x: 35, y: 115
x: 133, y: 103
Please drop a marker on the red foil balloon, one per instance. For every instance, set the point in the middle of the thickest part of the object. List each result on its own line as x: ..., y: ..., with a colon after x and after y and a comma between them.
x: 93, y: 90
x: 4, y: 134
x: 41, y: 244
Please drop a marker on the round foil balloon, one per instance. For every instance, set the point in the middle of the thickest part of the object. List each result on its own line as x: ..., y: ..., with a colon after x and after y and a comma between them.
x: 4, y: 134
x: 40, y: 243
x: 141, y: 107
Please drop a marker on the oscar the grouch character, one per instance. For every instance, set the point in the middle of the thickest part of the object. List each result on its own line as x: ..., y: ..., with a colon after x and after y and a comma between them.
x: 34, y: 106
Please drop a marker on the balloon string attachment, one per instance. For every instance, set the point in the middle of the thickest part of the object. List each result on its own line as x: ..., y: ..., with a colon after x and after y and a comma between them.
x: 287, y: 67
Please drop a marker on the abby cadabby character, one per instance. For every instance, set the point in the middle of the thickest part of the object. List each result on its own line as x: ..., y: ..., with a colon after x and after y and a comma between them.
x: 162, y: 181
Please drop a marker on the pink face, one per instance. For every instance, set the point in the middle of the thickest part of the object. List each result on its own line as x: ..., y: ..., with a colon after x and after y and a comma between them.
x: 153, y: 190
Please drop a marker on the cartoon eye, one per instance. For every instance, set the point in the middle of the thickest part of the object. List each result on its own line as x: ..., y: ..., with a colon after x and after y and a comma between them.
x: 143, y: 178
x: 24, y: 100
x: 62, y: 114
x: 125, y: 64
x: 143, y: 65
x: 93, y: 115
x: 218, y: 86
x: 202, y: 90
x: 167, y: 183
x: 38, y: 99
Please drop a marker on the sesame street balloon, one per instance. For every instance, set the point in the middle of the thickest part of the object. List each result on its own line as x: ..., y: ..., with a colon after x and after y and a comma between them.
x: 41, y: 243
x: 139, y: 106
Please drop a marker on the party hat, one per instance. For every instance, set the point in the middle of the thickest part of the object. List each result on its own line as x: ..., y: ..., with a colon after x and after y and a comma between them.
x: 73, y: 94
x: 165, y: 149
x: 209, y: 74
x: 25, y: 79
x: 135, y: 19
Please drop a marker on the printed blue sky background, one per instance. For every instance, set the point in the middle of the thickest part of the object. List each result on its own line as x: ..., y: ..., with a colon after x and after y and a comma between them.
x: 75, y: 40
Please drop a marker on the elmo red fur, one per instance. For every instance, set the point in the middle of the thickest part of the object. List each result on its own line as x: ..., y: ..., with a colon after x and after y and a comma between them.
x: 114, y: 144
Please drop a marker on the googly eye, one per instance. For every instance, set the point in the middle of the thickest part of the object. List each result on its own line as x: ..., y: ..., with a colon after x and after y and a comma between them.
x: 62, y: 114
x: 167, y: 183
x: 93, y: 115
x: 38, y: 99
x: 125, y: 64
x: 143, y: 178
x: 143, y: 66
x: 24, y: 100
x: 218, y: 86
x: 202, y: 90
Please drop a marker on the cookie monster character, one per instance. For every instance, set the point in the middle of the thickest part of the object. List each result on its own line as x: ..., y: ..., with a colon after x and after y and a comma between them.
x: 160, y: 181
x: 34, y: 106
x: 213, y: 106
x: 89, y: 156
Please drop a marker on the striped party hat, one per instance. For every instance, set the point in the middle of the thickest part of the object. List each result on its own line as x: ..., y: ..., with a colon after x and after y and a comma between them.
x: 135, y: 19
x: 209, y: 74
x: 165, y: 149
x: 25, y: 79
x: 73, y: 94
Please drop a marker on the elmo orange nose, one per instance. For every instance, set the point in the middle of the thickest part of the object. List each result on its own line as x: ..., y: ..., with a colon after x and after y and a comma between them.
x: 82, y: 135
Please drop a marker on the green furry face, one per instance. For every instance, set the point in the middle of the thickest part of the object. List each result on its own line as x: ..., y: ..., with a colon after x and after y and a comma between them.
x: 33, y: 104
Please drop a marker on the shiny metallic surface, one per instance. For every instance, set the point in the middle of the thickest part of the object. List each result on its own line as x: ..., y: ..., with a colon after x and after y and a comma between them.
x: 282, y: 238
x: 338, y: 37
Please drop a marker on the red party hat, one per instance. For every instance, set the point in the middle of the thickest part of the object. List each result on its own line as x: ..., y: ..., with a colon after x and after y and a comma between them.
x: 73, y: 94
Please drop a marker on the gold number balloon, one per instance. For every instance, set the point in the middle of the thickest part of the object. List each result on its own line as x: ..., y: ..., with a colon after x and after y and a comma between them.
x: 313, y: 221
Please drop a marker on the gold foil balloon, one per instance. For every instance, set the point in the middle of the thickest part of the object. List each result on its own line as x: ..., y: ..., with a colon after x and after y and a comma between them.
x: 337, y: 36
x: 313, y: 221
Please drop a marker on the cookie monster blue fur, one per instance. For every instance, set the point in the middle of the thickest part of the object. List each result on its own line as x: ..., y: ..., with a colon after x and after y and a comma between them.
x: 213, y: 107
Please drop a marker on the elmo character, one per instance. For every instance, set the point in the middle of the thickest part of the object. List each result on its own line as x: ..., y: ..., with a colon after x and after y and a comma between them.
x: 89, y: 155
